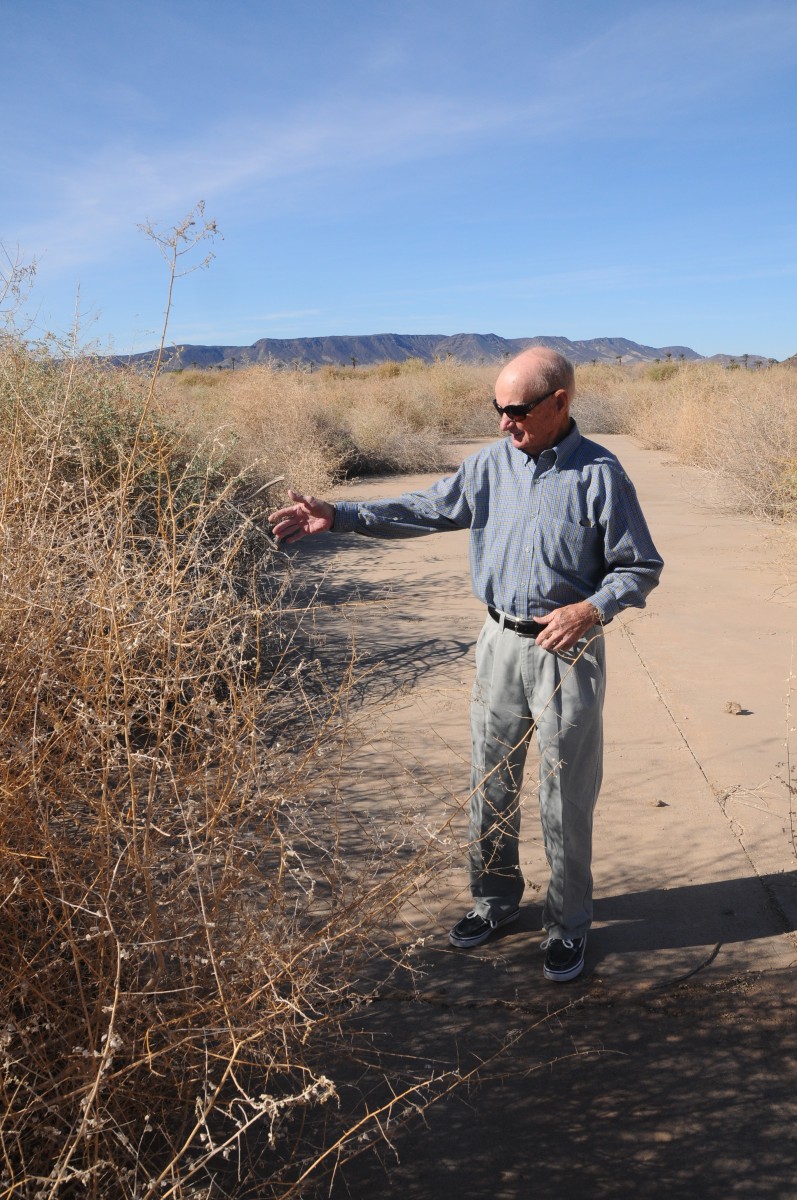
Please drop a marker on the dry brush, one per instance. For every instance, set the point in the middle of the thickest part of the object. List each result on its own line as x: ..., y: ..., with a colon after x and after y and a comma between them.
x: 739, y: 426
x: 182, y: 932
x: 319, y: 427
x: 185, y: 925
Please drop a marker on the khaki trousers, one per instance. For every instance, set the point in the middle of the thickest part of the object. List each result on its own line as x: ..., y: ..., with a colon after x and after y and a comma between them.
x: 520, y: 690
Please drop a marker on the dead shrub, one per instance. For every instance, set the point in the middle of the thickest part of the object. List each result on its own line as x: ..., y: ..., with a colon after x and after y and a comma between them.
x: 319, y: 428
x: 739, y: 426
x: 601, y: 403
x: 181, y: 926
x: 335, y: 423
x: 659, y: 371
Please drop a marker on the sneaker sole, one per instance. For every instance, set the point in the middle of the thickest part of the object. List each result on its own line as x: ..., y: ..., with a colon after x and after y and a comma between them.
x: 568, y: 974
x: 477, y: 939
x: 563, y: 976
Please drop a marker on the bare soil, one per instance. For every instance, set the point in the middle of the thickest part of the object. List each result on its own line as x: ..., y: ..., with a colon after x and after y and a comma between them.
x: 668, y: 1068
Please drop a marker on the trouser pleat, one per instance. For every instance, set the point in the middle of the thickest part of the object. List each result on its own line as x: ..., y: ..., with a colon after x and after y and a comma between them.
x: 520, y: 690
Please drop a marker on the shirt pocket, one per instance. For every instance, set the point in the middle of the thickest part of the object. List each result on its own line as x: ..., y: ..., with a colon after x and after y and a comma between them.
x: 572, y: 548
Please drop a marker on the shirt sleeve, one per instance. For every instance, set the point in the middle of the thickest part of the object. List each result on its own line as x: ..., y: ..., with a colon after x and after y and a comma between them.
x: 633, y: 564
x: 443, y: 506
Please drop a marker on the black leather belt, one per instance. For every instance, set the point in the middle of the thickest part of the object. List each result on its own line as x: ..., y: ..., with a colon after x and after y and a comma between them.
x: 530, y: 629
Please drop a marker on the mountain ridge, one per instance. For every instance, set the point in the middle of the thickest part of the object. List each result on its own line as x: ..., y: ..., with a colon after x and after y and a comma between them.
x: 370, y: 349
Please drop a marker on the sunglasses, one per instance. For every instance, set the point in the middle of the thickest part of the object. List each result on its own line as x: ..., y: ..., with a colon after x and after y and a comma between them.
x: 518, y: 411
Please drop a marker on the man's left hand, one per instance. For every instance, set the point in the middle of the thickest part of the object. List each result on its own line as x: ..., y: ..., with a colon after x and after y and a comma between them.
x: 564, y: 626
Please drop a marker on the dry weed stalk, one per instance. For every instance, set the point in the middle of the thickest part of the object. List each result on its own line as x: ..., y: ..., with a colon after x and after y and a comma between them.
x: 182, y: 923
x: 16, y: 280
x: 790, y: 766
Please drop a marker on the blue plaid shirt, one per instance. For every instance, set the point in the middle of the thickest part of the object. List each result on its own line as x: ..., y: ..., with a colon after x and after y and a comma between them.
x: 544, y: 533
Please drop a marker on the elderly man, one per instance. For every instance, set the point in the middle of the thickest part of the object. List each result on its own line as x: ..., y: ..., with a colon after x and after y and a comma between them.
x: 558, y: 547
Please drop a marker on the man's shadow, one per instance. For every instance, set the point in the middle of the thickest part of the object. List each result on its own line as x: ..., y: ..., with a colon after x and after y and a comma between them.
x: 701, y: 914
x: 698, y: 915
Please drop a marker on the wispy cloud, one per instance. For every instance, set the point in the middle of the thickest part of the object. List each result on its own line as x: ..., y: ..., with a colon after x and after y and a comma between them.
x: 654, y: 62
x: 669, y: 54
x: 607, y: 280
x: 586, y: 279
x: 102, y: 200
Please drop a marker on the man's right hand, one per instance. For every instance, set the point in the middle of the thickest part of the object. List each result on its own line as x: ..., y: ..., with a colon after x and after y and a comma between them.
x: 305, y: 515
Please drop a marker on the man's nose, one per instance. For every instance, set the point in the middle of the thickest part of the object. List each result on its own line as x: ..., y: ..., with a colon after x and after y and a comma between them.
x: 506, y: 425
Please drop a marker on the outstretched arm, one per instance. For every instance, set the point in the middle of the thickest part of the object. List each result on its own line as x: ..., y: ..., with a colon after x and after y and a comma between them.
x: 306, y: 515
x: 445, y: 505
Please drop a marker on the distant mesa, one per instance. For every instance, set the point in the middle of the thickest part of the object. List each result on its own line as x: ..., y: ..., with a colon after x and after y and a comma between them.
x: 370, y: 349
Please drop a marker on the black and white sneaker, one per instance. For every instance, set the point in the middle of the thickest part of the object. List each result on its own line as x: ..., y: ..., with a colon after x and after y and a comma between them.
x: 472, y: 930
x: 564, y: 958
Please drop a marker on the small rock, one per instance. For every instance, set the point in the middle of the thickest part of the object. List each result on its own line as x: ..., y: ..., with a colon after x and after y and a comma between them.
x: 660, y: 804
x: 734, y: 707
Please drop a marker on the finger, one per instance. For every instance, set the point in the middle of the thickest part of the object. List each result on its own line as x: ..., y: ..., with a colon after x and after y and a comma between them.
x: 556, y: 642
x: 280, y: 514
x: 284, y: 529
x: 292, y: 510
x: 294, y: 537
x: 300, y: 498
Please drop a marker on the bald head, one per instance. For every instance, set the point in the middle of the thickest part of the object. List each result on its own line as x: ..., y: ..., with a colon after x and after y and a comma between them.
x: 544, y: 381
x: 537, y: 371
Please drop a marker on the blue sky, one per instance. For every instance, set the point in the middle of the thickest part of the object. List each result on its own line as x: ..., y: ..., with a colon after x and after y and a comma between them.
x: 520, y: 167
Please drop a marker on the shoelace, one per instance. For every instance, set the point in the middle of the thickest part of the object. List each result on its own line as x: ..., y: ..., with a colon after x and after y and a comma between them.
x: 469, y: 917
x: 566, y: 942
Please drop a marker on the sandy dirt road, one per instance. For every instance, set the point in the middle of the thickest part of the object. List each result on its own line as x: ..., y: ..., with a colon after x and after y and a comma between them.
x: 692, y: 1091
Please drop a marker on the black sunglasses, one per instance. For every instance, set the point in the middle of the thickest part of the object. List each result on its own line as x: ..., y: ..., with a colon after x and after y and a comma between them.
x: 518, y: 411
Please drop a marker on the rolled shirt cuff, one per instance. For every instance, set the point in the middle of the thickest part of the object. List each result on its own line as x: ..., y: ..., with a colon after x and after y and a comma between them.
x: 346, y: 517
x: 606, y: 604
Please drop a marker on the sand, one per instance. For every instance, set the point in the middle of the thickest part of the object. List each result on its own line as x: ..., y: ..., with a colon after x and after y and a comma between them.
x: 674, y: 1051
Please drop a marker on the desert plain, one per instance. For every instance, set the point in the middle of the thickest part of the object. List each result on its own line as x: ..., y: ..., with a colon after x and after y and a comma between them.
x: 667, y: 1068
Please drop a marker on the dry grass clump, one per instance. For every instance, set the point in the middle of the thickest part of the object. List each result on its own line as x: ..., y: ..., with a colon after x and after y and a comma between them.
x: 316, y: 428
x: 322, y: 426
x: 602, y: 403
x: 178, y: 917
x: 741, y: 426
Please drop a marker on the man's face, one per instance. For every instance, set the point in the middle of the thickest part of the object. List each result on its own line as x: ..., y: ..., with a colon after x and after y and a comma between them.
x: 544, y: 426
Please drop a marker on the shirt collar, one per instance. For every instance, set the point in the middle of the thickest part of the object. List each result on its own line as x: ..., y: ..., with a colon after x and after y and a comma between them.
x: 557, y: 455
x: 563, y: 450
